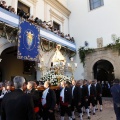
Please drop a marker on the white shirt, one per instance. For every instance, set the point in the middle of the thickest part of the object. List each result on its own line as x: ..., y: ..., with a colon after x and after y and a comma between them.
x: 62, y: 94
x: 81, y: 86
x: 89, y: 89
x: 108, y: 86
x: 73, y: 90
x: 44, y: 96
x: 3, y: 93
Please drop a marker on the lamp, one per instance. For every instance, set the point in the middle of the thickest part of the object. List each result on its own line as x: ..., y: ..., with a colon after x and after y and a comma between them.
x: 42, y: 65
x: 72, y: 66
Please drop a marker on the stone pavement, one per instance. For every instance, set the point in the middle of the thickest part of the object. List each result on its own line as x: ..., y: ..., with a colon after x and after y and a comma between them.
x: 106, y: 114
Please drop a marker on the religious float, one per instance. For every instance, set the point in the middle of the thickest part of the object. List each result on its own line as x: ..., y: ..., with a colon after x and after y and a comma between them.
x: 55, y: 74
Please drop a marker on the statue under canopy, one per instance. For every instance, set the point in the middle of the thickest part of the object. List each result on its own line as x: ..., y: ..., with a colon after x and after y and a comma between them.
x: 58, y: 58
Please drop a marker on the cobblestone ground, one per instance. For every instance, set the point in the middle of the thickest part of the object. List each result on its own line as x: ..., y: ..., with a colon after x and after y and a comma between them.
x: 106, y: 114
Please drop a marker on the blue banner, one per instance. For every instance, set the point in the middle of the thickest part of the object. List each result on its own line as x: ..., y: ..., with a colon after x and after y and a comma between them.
x: 28, y: 41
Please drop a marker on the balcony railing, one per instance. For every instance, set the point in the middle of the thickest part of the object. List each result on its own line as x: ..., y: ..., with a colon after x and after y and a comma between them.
x: 13, y: 20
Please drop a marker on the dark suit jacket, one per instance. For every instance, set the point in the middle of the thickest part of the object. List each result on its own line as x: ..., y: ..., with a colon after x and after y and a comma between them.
x: 98, y: 88
x: 77, y: 94
x: 50, y: 99
x: 67, y: 95
x: 92, y: 90
x: 17, y: 105
x: 85, y: 93
x: 36, y: 98
x: 115, y: 91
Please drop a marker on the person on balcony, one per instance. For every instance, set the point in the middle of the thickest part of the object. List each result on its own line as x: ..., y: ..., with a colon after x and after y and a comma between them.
x: 38, y: 21
x: 9, y: 8
x: 44, y: 24
x: 55, y: 31
x: 47, y: 27
x: 68, y: 37
x: 3, y: 5
x: 72, y: 39
x: 50, y: 27
x: 31, y: 19
x: 21, y: 13
x: 59, y: 33
x: 62, y: 35
x: 26, y: 16
x: 13, y: 10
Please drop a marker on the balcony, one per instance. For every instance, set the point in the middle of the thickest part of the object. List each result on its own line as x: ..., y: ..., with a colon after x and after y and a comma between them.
x: 12, y: 20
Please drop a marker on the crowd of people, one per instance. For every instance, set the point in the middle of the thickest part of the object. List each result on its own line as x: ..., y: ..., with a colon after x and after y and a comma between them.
x: 8, y: 8
x: 36, y: 20
x: 28, y: 103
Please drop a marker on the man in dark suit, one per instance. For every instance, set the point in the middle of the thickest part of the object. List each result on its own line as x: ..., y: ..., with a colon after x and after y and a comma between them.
x: 65, y: 101
x: 35, y: 96
x: 92, y: 94
x: 17, y: 105
x: 115, y: 91
x: 85, y: 96
x: 98, y: 94
x: 48, y: 102
x: 76, y: 99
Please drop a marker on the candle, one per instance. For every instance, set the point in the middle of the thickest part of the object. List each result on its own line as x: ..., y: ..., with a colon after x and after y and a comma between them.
x: 71, y: 58
x: 76, y: 65
x: 42, y: 59
x: 63, y: 63
x: 38, y: 64
x: 68, y: 64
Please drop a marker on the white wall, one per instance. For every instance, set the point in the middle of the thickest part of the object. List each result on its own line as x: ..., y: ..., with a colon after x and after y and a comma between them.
x: 100, y: 22
x: 39, y: 9
x: 86, y: 25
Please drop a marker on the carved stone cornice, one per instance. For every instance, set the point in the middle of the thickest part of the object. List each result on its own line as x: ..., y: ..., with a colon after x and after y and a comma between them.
x: 58, y: 6
x: 33, y: 1
x: 55, y: 15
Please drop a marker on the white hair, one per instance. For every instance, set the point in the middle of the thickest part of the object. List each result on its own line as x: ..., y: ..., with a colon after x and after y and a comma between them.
x: 18, y: 81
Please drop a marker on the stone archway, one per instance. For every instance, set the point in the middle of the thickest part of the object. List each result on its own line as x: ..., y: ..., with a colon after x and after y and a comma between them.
x: 102, y: 54
x: 5, y: 44
x: 103, y: 71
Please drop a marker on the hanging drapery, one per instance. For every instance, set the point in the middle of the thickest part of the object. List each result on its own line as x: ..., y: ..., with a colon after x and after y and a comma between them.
x: 28, y: 42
